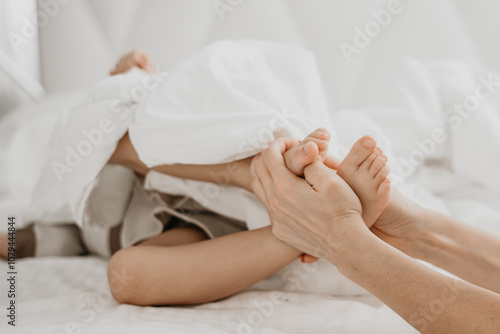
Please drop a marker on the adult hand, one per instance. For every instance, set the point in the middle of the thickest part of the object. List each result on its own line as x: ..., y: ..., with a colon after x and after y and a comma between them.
x: 316, y: 215
x: 135, y: 58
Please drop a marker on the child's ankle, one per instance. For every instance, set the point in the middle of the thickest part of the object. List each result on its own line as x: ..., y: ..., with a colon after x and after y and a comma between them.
x: 241, y: 173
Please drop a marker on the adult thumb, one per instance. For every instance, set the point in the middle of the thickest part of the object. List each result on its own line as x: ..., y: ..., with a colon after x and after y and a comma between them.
x: 317, y: 174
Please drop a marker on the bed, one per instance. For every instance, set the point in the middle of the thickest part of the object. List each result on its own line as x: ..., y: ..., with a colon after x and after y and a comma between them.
x: 70, y: 295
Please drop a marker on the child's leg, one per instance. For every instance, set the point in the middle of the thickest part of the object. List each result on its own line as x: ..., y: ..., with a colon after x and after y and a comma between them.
x: 24, y: 243
x: 44, y: 240
x: 160, y: 271
x: 237, y: 173
x: 176, y: 237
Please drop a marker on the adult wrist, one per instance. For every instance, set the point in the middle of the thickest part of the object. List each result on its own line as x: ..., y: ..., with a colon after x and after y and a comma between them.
x: 341, y: 249
x: 355, y: 250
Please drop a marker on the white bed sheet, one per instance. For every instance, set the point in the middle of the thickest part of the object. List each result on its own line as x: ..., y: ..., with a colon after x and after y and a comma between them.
x: 59, y: 292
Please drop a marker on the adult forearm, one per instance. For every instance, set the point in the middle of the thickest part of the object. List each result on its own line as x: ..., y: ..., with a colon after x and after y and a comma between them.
x: 429, y: 301
x: 464, y: 251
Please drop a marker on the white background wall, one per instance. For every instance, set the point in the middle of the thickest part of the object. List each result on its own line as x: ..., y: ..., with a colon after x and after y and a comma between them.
x: 83, y: 38
x: 13, y: 16
x: 482, y: 21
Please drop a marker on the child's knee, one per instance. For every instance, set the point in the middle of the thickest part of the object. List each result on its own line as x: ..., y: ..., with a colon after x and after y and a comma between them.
x: 122, y: 277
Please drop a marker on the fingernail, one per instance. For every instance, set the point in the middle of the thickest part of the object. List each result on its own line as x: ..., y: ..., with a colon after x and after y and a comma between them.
x: 368, y: 142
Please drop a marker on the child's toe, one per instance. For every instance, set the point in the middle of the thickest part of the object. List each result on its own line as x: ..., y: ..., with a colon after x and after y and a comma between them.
x: 377, y: 164
x: 382, y: 174
x: 320, y: 134
x: 366, y: 165
x: 360, y: 151
x: 384, y: 190
x: 321, y: 137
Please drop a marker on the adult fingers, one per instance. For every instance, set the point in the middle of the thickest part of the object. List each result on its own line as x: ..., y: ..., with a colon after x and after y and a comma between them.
x: 271, y: 156
x: 266, y: 191
x: 273, y: 160
x: 287, y: 186
x: 261, y: 176
x: 317, y: 174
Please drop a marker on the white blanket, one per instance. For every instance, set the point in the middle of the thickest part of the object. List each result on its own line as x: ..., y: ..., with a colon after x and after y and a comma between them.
x: 223, y: 105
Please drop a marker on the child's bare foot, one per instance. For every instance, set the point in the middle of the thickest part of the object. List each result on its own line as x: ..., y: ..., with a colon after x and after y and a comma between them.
x: 136, y: 58
x: 313, y: 148
x: 365, y: 171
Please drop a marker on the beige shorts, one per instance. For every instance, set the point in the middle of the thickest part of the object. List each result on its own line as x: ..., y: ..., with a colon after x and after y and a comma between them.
x: 121, y: 213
